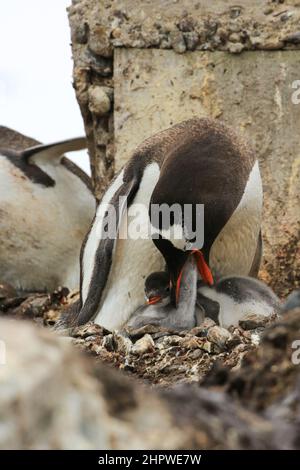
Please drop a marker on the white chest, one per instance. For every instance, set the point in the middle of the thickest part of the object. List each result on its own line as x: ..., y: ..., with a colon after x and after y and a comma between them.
x: 234, y: 249
x: 135, y: 257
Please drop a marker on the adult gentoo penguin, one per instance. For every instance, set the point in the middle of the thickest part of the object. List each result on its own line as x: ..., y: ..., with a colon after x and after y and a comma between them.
x: 197, y: 161
x: 46, y: 207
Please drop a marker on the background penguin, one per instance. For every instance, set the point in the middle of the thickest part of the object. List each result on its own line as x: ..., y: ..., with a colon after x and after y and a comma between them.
x: 46, y: 207
x: 196, y: 161
x: 233, y: 297
x: 160, y: 310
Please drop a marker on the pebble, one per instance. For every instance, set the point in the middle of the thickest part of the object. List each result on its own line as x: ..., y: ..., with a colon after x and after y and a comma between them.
x: 6, y: 290
x: 122, y: 344
x: 235, y: 12
x: 143, y: 345
x: 80, y: 33
x: 235, y: 48
x: 178, y: 42
x: 207, y: 323
x: 293, y: 38
x: 235, y: 37
x: 196, y: 354
x: 234, y: 341
x: 286, y: 16
x: 251, y: 321
x: 99, y: 100
x: 191, y: 40
x: 89, y: 329
x: 186, y: 25
x: 219, y: 336
x: 108, y: 343
x: 208, y: 347
x: 99, y: 42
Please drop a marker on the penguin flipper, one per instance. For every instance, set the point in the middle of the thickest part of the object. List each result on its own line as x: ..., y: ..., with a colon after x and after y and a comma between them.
x: 54, y: 152
x: 14, y: 140
x: 104, y: 254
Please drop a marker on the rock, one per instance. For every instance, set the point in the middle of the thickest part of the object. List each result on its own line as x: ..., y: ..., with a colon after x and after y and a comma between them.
x: 236, y: 47
x: 99, y: 42
x: 122, y: 344
x: 207, y: 323
x: 219, y: 336
x: 7, y: 291
x: 99, y: 101
x: 33, y: 306
x: 49, y: 380
x: 89, y: 329
x: 234, y: 37
x: 191, y: 40
x: 178, y: 42
x: 255, y: 407
x: 286, y: 15
x: 186, y: 24
x: 235, y: 11
x: 136, y: 333
x: 233, y: 341
x: 65, y: 402
x: 108, y: 343
x: 207, y: 346
x: 293, y: 38
x: 252, y: 321
x: 196, y: 354
x: 80, y: 33
x: 51, y: 317
x: 143, y: 345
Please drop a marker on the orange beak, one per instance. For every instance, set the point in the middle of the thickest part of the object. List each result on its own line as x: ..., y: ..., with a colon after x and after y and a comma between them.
x: 153, y: 300
x: 203, y: 268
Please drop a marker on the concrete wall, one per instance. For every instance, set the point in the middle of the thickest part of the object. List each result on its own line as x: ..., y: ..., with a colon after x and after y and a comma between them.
x: 140, y: 70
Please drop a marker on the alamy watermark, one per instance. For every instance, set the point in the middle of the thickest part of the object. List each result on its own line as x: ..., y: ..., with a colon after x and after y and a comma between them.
x: 296, y: 353
x: 296, y: 93
x: 174, y: 222
x: 2, y: 353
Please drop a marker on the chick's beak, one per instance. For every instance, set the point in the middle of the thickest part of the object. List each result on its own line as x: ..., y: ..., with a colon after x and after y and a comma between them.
x: 153, y: 300
x: 203, y: 267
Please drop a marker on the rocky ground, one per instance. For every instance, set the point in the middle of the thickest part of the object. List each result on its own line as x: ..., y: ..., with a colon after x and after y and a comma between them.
x: 153, y: 355
x: 210, y: 388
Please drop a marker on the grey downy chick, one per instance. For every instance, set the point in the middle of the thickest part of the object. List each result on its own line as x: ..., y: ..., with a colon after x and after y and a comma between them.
x: 159, y: 309
x: 232, y: 297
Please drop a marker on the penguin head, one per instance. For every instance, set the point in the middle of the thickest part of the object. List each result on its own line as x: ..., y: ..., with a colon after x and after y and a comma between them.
x: 157, y: 288
x: 175, y: 260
